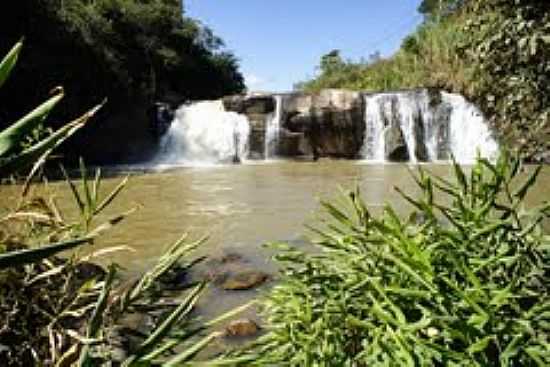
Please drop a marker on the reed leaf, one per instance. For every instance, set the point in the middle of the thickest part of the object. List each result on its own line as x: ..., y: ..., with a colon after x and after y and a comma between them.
x: 30, y: 155
x: 33, y: 255
x: 12, y: 136
x: 8, y: 62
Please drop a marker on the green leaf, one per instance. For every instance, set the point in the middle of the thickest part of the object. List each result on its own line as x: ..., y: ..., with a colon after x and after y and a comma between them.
x: 529, y: 182
x: 94, y: 325
x: 164, y: 328
x: 12, y: 136
x: 9, y: 62
x: 480, y: 345
x: 30, y: 155
x: 192, y: 351
x: 33, y: 255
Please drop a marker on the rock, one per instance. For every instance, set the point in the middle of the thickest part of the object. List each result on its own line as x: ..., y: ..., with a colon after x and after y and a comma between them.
x: 232, y: 272
x: 396, y: 145
x: 326, y: 124
x: 242, y: 328
x: 291, y: 144
x: 161, y: 115
x: 421, y: 151
x: 257, y: 108
x: 332, y: 121
x: 250, y: 104
x: 231, y: 257
x: 244, y: 280
x: 234, y: 103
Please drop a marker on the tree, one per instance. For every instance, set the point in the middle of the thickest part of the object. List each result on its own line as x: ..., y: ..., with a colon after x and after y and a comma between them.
x: 438, y: 7
x: 132, y: 52
x: 331, y: 62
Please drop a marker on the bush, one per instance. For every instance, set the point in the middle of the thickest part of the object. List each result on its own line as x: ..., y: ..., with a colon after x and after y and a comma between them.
x: 509, y: 46
x: 462, y: 282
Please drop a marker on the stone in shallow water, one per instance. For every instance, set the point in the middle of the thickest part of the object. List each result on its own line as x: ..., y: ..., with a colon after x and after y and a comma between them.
x: 244, y: 280
x: 242, y: 328
x: 231, y: 257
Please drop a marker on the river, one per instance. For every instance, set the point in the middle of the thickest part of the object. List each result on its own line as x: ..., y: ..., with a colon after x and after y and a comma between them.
x: 241, y: 207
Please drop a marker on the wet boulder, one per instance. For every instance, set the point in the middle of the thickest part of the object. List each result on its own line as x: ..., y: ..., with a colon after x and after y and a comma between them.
x: 242, y: 328
x: 243, y: 280
x: 233, y: 272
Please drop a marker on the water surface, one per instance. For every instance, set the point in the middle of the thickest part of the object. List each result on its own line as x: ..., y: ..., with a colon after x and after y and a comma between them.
x: 240, y: 207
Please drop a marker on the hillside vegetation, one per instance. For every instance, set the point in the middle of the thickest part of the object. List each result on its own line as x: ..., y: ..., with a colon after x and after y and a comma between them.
x: 132, y: 52
x: 495, y: 53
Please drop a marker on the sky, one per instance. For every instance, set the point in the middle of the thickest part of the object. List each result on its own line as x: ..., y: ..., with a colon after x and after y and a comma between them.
x: 279, y: 43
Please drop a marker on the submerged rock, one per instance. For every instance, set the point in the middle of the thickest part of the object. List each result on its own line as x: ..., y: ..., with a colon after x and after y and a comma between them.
x: 242, y: 328
x: 231, y: 271
x: 244, y: 280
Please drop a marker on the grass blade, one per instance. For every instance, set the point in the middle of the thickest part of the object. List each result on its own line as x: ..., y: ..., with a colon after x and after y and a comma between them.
x: 27, y: 256
x: 12, y: 136
x: 9, y: 61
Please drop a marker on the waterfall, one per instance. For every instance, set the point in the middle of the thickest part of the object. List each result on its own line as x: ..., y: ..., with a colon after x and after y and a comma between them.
x: 416, y: 126
x: 273, y: 129
x: 205, y: 133
x: 375, y: 111
x: 469, y: 132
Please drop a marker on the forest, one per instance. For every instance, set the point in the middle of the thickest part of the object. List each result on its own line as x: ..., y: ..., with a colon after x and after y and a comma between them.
x: 130, y: 52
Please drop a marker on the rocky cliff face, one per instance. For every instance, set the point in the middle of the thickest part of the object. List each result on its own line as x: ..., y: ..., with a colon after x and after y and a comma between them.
x: 326, y: 124
x: 331, y: 121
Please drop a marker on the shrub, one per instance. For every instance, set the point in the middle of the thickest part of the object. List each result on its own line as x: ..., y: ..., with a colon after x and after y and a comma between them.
x: 509, y: 46
x: 462, y: 282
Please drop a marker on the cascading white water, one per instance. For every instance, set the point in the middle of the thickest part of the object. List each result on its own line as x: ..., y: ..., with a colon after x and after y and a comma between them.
x: 374, y: 145
x: 469, y: 132
x: 205, y: 133
x: 427, y: 130
x: 273, y: 129
x: 408, y: 109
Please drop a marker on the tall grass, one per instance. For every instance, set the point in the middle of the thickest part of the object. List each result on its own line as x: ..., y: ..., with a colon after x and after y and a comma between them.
x: 462, y: 282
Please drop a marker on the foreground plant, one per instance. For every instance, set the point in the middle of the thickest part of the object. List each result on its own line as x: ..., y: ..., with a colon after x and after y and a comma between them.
x: 62, y: 311
x: 65, y: 311
x: 463, y: 282
x: 21, y: 146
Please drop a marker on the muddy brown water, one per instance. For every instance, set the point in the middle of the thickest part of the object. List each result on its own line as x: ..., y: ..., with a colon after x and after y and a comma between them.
x: 240, y: 208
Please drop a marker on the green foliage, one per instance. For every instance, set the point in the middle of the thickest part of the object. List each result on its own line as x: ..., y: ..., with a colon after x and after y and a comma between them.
x: 20, y: 144
x: 131, y: 52
x: 439, y: 7
x: 46, y: 302
x: 29, y: 256
x: 9, y: 62
x: 57, y: 311
x: 510, y: 48
x: 427, y: 58
x: 463, y: 282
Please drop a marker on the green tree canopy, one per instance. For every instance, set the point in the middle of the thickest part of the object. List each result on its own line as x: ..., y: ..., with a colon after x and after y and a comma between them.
x: 438, y: 7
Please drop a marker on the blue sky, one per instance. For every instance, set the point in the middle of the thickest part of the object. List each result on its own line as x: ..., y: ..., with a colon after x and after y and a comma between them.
x: 280, y: 42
